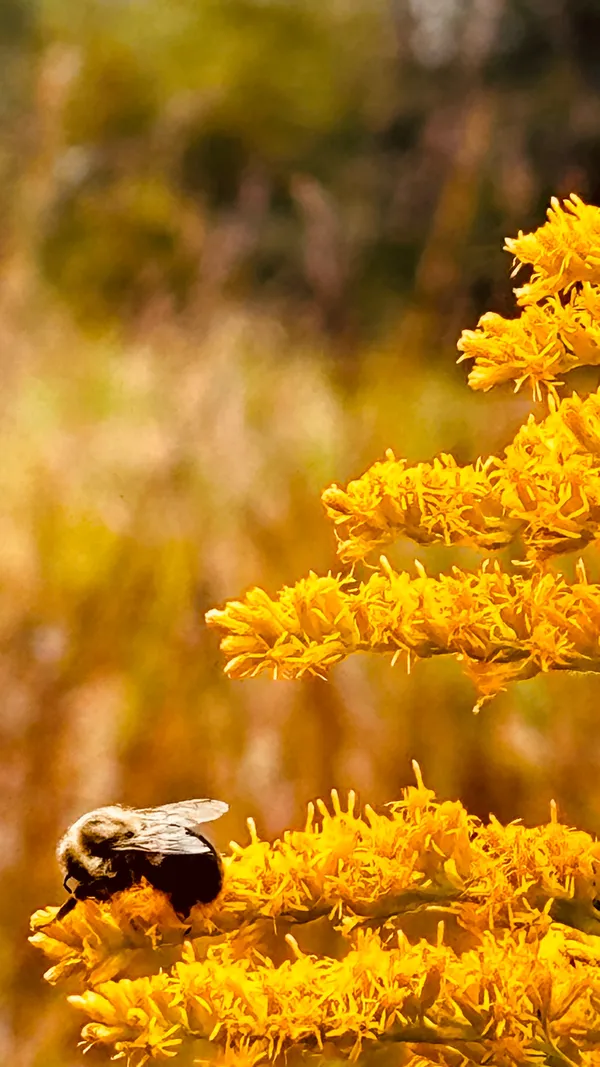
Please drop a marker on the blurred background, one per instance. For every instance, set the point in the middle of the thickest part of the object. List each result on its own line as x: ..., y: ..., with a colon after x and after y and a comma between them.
x: 239, y: 241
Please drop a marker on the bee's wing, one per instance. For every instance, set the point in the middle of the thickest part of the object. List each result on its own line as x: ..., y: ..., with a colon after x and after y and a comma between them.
x: 169, y: 829
x: 191, y: 812
x: 164, y: 838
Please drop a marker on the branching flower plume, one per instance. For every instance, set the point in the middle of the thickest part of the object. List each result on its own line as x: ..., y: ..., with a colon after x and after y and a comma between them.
x: 541, y: 494
x: 563, y: 252
x: 501, y: 626
x: 545, y: 489
x: 444, y: 937
x: 559, y: 326
x: 440, y: 939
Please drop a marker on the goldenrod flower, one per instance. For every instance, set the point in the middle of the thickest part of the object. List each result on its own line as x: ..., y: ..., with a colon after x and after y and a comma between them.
x: 135, y: 933
x: 528, y: 349
x: 549, y: 478
x: 465, y: 943
x: 545, y: 341
x: 545, y: 488
x: 438, y: 501
x: 563, y: 252
x: 417, y: 855
x: 447, y: 926
x: 507, y: 1000
x: 500, y: 626
x: 559, y: 327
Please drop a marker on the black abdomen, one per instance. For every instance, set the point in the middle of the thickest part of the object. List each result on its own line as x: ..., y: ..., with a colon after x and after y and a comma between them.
x: 187, y: 878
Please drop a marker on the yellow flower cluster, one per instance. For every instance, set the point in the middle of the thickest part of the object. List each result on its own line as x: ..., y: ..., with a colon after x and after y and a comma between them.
x: 563, y: 252
x: 506, y: 1002
x: 545, y: 488
x: 500, y: 626
x: 443, y: 932
x: 559, y: 327
x: 438, y: 501
x: 546, y: 340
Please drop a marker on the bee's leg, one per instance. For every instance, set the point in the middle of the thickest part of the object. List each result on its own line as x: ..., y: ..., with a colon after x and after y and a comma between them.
x: 100, y: 888
x: 64, y: 909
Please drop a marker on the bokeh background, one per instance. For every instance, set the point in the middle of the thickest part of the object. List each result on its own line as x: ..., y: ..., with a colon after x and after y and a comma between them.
x: 238, y: 242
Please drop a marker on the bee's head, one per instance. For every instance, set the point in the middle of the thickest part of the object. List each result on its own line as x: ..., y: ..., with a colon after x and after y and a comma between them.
x: 84, y: 851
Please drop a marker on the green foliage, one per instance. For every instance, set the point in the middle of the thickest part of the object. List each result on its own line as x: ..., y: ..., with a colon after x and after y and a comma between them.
x: 116, y: 244
x: 185, y: 101
x: 325, y: 155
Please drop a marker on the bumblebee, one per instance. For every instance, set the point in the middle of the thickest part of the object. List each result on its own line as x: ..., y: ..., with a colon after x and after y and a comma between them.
x: 113, y: 848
